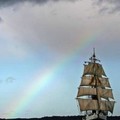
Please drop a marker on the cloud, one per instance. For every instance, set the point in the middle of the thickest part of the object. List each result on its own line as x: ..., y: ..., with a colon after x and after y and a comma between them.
x: 10, y: 80
x: 7, y: 3
x: 40, y: 32
x: 108, y: 6
x: 1, y: 19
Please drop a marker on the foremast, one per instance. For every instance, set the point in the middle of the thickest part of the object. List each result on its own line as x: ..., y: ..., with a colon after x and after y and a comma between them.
x: 95, y: 93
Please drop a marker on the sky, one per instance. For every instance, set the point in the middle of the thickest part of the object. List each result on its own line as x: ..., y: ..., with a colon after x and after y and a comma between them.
x: 43, y: 46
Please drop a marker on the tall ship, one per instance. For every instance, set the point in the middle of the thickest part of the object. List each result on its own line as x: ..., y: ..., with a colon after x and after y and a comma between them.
x: 95, y: 97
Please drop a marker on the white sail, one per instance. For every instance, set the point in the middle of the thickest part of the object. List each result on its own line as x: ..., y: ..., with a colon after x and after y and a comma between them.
x: 86, y: 91
x: 94, y: 68
x: 91, y: 81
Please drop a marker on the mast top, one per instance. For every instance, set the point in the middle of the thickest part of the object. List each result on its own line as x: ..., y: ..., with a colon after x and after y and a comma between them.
x: 94, y: 52
x: 93, y: 58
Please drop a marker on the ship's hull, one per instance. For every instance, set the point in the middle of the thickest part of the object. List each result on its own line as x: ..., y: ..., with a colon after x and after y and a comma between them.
x: 95, y: 117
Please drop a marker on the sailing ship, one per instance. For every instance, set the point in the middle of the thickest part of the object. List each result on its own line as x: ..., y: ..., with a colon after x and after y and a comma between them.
x: 95, y: 97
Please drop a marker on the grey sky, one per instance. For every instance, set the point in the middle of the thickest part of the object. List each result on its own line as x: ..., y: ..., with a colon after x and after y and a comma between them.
x: 6, y: 3
x: 108, y: 6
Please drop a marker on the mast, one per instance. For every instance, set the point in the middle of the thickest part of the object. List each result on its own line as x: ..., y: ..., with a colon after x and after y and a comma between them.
x: 96, y: 96
x: 93, y: 58
x: 95, y: 77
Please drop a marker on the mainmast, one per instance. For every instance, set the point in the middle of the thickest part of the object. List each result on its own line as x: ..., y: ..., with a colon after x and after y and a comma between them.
x: 95, y: 77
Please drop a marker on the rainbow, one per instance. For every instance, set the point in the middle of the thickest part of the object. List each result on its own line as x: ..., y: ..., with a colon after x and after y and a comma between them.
x: 44, y: 78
